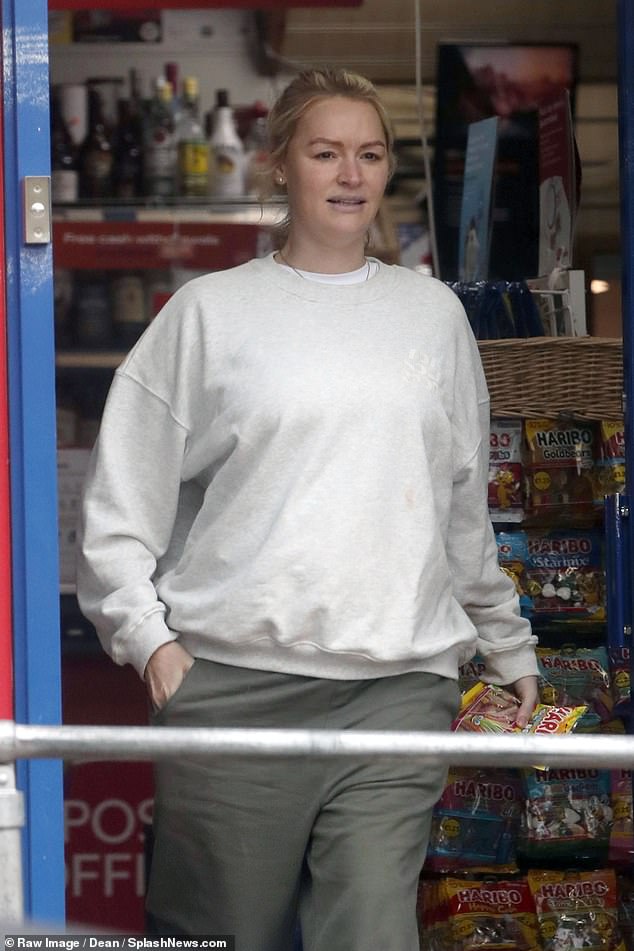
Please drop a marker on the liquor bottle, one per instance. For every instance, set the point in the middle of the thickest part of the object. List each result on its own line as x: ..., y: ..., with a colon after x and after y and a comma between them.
x: 129, y: 314
x: 227, y: 152
x: 93, y: 313
x: 193, y: 149
x: 64, y: 159
x: 73, y: 105
x: 128, y: 157
x: 96, y: 158
x: 172, y: 75
x: 159, y: 144
x: 159, y: 287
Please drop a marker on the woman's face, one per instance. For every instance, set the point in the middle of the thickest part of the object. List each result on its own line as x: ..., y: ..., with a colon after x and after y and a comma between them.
x: 336, y: 169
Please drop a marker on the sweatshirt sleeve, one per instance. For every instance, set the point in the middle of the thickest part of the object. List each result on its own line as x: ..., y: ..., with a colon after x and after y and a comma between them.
x: 484, y: 591
x: 129, y: 507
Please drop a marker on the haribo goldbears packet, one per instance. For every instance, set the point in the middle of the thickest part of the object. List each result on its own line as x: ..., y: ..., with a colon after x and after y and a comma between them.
x: 558, y: 464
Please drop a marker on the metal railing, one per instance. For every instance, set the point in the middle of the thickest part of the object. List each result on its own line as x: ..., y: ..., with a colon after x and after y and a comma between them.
x: 592, y: 751
x: 470, y: 749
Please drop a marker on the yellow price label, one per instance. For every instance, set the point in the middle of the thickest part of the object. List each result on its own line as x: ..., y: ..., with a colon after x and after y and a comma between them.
x: 542, y: 481
x: 463, y: 927
x: 450, y: 828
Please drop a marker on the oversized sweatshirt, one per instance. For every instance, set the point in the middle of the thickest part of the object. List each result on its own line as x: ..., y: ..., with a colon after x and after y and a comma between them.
x: 291, y: 476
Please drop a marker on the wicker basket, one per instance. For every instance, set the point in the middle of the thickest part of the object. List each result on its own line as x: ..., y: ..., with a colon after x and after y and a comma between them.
x: 555, y: 376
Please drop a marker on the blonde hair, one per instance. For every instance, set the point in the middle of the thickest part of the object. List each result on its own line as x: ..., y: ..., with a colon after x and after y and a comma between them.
x: 302, y: 92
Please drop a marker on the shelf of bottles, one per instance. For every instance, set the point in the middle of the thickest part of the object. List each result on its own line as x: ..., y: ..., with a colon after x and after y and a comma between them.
x: 110, y: 144
x: 146, y: 193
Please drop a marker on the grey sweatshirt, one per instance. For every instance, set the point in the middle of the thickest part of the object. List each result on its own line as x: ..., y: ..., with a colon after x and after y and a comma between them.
x: 291, y: 476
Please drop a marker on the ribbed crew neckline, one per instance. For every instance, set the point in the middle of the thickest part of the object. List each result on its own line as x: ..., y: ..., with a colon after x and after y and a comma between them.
x: 378, y: 286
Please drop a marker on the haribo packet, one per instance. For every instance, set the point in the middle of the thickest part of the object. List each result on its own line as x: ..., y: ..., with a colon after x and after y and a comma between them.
x: 620, y: 676
x: 558, y: 461
x: 571, y: 676
x: 577, y: 909
x: 565, y: 577
x: 470, y: 673
x: 505, y: 470
x: 567, y: 816
x: 476, y: 821
x: 512, y: 550
x: 487, y: 708
x: 497, y: 914
x: 610, y: 464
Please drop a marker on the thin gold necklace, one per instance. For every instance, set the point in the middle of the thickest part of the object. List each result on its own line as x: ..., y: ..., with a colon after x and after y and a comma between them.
x: 285, y: 261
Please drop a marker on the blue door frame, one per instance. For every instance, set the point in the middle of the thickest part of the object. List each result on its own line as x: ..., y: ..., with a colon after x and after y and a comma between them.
x: 31, y: 383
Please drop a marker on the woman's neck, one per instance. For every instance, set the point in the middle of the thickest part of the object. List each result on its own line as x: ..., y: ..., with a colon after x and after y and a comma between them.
x: 322, y: 260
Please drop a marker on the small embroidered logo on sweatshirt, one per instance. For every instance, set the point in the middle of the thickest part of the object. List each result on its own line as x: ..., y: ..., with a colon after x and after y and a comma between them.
x: 417, y: 367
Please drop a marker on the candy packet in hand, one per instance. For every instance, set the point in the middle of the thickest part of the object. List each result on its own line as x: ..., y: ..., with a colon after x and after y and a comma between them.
x: 487, y: 708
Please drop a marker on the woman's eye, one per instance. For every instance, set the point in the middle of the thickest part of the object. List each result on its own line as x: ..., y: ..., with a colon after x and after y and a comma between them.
x: 372, y: 156
x: 325, y: 155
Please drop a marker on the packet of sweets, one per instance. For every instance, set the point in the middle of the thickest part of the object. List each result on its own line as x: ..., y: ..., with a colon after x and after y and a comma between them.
x: 565, y: 576
x: 610, y: 464
x: 487, y: 708
x: 573, y: 675
x: 567, y: 816
x: 620, y: 676
x: 512, y: 558
x: 476, y: 821
x: 558, y: 462
x: 470, y: 673
x: 505, y: 471
x: 494, y: 914
x: 577, y: 909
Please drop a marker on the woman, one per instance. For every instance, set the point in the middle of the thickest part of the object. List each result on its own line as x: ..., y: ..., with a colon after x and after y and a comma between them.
x: 286, y: 525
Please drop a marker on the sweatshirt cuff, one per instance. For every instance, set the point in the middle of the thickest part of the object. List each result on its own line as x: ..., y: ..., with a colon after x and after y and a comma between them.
x: 505, y: 667
x: 139, y: 644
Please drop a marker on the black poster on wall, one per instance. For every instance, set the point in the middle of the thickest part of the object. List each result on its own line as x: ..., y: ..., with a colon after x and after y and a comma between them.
x: 476, y: 82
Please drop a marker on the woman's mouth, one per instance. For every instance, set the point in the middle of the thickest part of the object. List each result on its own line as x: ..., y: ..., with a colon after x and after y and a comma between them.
x: 347, y: 202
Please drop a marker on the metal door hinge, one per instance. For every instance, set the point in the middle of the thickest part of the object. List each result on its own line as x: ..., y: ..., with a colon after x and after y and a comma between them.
x: 37, y: 209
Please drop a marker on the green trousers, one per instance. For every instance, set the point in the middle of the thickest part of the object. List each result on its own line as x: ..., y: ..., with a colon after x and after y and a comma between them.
x: 246, y: 846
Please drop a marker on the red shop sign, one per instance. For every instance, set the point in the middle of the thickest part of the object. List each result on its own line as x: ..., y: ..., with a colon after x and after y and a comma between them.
x: 162, y: 244
x: 108, y: 813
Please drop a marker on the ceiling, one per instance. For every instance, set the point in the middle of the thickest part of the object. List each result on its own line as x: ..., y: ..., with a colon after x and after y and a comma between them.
x: 379, y: 39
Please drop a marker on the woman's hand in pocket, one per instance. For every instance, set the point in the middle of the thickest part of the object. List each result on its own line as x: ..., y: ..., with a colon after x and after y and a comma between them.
x: 165, y: 671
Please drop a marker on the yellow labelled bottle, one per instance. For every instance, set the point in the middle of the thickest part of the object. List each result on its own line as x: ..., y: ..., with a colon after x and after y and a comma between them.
x: 193, y: 149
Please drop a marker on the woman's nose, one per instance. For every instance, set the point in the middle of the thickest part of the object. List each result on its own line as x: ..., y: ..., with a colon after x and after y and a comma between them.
x: 349, y: 171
